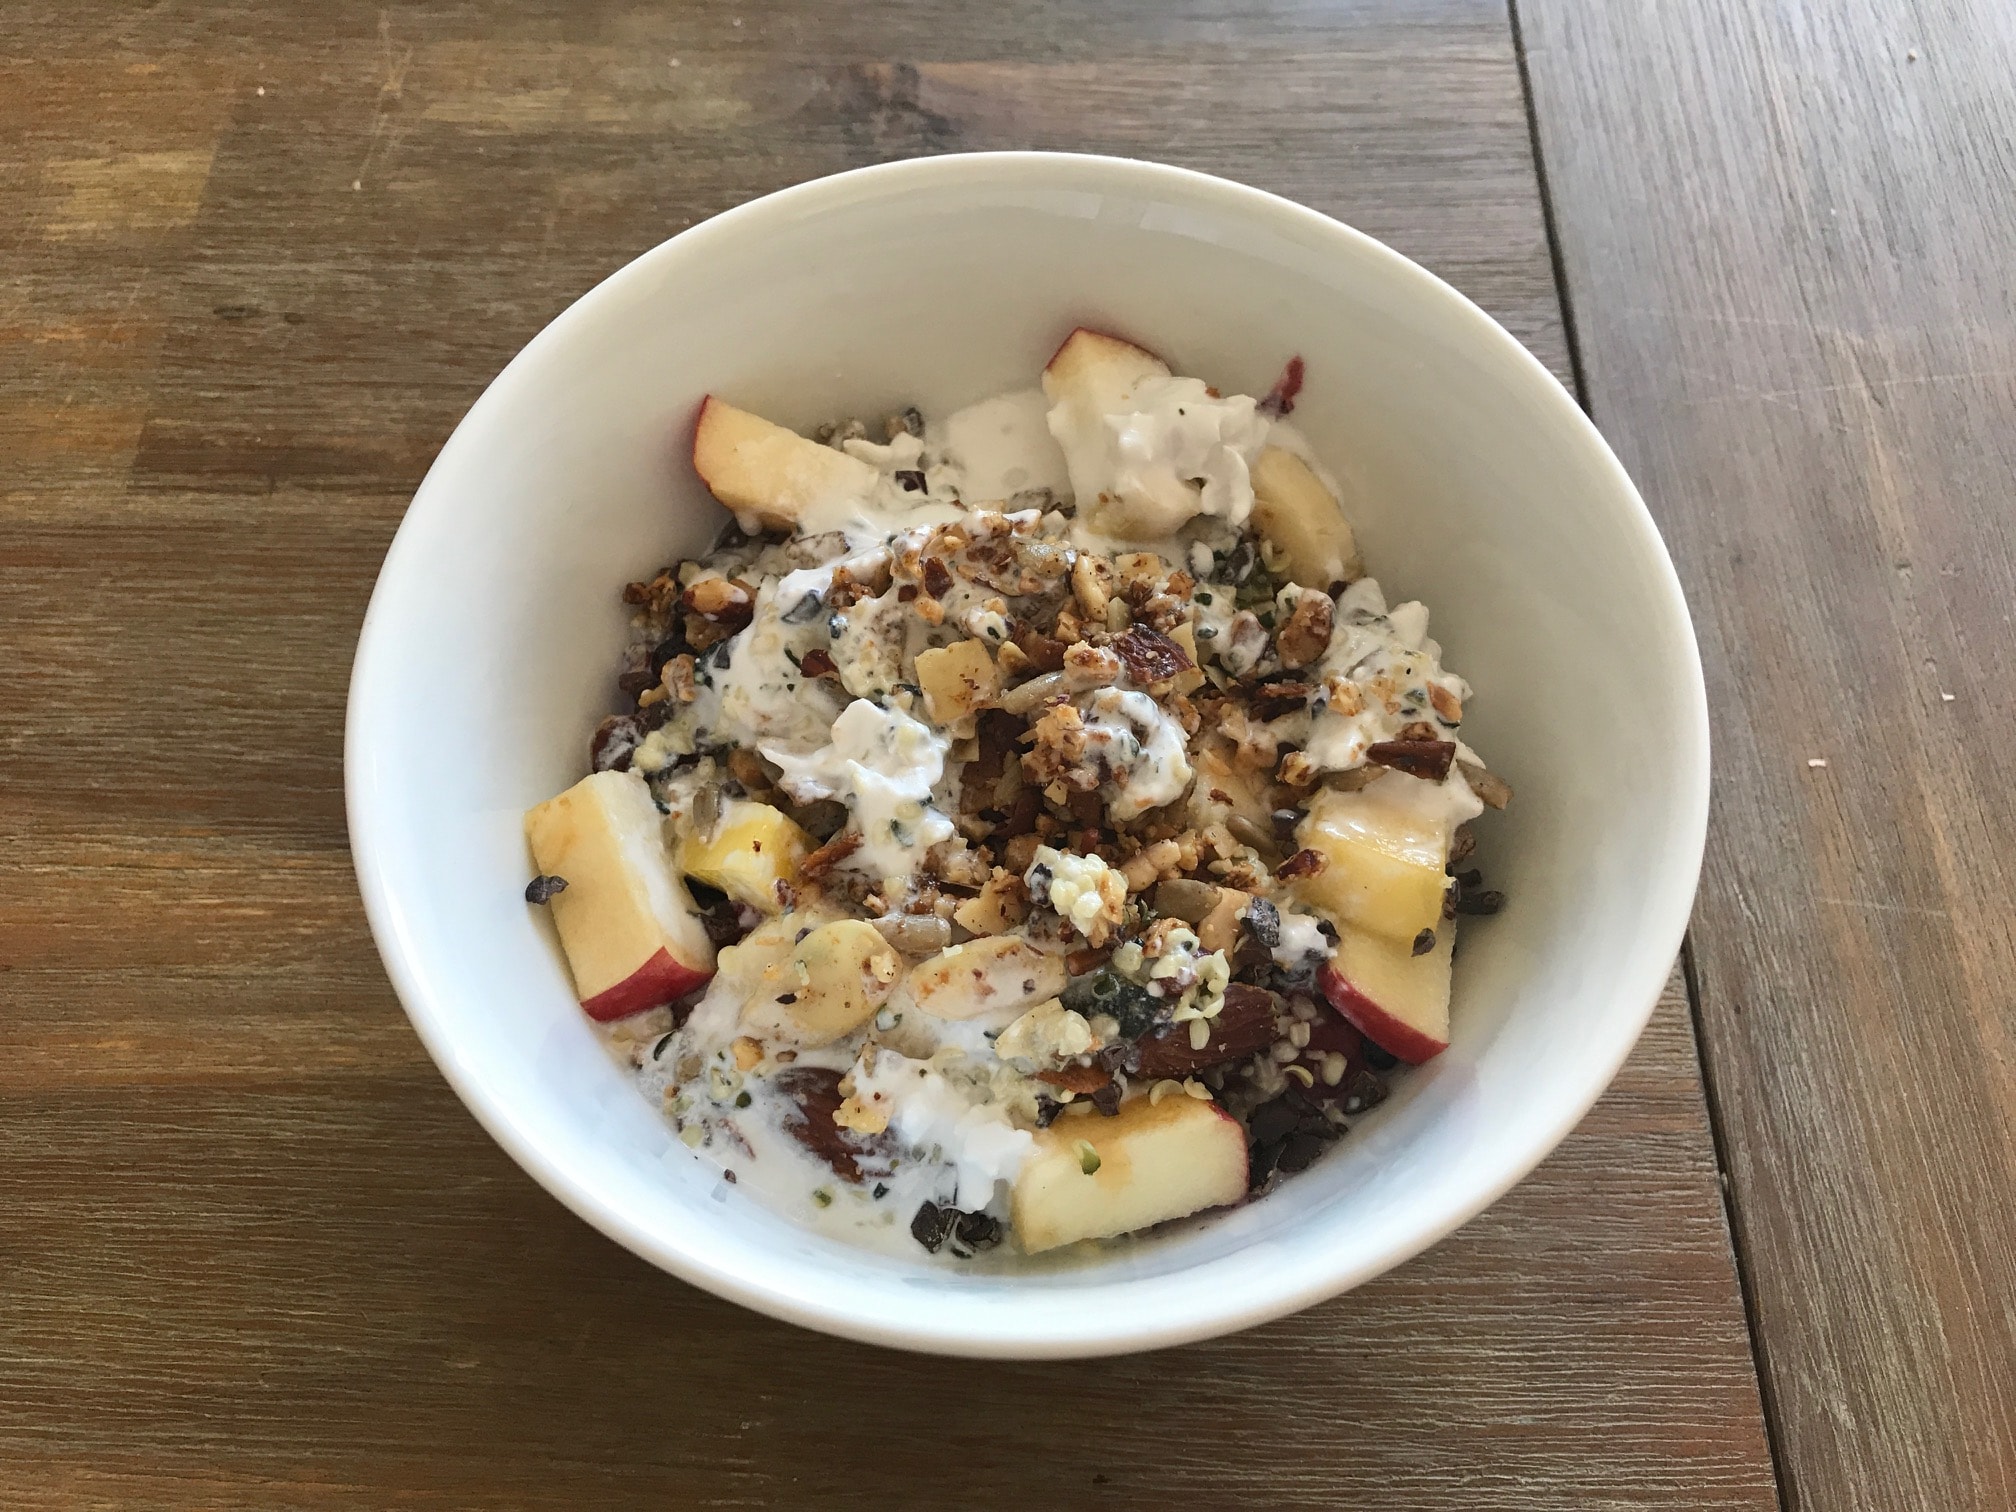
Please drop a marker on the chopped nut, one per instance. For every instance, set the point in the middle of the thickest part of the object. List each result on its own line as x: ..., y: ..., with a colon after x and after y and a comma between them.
x: 1159, y: 861
x: 1151, y: 656
x: 676, y: 678
x: 721, y: 601
x: 1296, y: 770
x: 1002, y: 903
x: 1494, y: 790
x: 1427, y: 759
x: 864, y: 1117
x: 1304, y: 863
x: 1093, y: 583
x: 1447, y: 704
x: 957, y: 680
x: 1343, y: 695
x: 1306, y: 634
x: 747, y: 1052
x: 1090, y: 666
x: 1141, y: 575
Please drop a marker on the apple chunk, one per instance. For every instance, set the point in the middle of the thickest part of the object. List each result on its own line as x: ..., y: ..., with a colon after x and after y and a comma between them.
x: 1293, y: 510
x: 1395, y: 998
x: 769, y: 475
x: 1091, y: 1178
x: 1385, y: 859
x: 632, y: 935
x: 753, y: 855
x: 1098, y: 371
x: 1092, y: 377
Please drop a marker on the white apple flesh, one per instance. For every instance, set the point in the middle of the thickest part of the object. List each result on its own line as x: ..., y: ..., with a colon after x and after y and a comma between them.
x: 1301, y: 517
x: 768, y: 475
x: 1396, y: 999
x: 1092, y: 1178
x: 632, y: 935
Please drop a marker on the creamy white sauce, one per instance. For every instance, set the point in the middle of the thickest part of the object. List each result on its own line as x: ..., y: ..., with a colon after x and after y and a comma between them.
x: 1169, y: 452
x: 1143, y: 746
x: 1002, y: 446
x: 927, y: 1111
x: 1392, y: 668
x: 1301, y: 938
x: 883, y: 765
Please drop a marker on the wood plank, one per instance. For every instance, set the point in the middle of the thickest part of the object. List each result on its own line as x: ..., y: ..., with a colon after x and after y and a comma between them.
x: 255, y: 1254
x: 1786, y: 237
x: 302, y: 1292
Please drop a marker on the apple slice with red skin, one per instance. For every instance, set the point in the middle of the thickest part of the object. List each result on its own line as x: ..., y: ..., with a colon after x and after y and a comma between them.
x: 769, y: 475
x: 633, y: 937
x: 1398, y: 1000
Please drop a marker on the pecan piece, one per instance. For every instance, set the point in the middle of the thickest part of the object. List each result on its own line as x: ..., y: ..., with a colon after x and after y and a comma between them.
x: 1272, y: 700
x: 1084, y: 1080
x: 830, y: 855
x: 1150, y: 656
x: 1045, y: 652
x: 725, y: 603
x: 1427, y: 759
x: 1304, y: 863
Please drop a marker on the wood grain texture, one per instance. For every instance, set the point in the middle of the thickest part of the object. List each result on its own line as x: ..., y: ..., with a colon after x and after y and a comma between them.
x: 252, y: 1252
x: 1786, y: 237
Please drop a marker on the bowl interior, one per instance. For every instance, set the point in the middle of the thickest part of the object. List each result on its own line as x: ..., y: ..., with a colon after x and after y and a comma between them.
x: 1474, y: 484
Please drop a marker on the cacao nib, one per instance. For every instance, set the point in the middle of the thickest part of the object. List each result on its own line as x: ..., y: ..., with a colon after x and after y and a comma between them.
x: 541, y: 889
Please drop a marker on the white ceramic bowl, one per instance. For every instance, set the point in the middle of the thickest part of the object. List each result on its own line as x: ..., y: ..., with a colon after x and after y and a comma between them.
x: 1474, y: 482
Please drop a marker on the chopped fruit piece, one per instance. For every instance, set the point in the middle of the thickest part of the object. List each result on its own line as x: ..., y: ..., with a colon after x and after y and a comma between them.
x: 1098, y: 370
x: 1093, y: 375
x: 958, y: 680
x: 1397, y: 999
x: 1148, y: 1163
x: 1185, y: 636
x: 1002, y: 975
x: 769, y: 475
x: 1303, y: 520
x: 633, y: 937
x: 1384, y: 860
x: 845, y: 971
x: 753, y: 856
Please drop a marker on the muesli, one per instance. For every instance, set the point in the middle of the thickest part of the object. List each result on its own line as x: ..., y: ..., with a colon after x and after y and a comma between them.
x: 1027, y: 826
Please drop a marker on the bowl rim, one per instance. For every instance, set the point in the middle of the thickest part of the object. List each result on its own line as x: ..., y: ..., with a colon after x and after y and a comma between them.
x: 832, y: 1312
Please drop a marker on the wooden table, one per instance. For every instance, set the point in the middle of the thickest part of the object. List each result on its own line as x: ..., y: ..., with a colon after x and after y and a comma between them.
x: 257, y: 260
